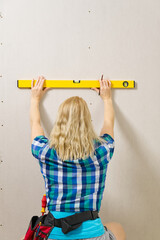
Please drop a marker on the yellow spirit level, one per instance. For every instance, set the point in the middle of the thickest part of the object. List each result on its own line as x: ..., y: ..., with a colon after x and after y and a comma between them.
x: 77, y: 83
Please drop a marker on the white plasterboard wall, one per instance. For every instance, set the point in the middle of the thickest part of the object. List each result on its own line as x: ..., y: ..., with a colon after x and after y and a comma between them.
x: 81, y: 40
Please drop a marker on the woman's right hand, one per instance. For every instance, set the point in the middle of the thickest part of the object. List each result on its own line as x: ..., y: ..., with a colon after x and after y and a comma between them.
x: 105, y: 89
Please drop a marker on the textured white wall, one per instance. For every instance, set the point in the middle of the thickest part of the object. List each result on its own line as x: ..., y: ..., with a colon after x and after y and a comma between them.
x: 52, y: 38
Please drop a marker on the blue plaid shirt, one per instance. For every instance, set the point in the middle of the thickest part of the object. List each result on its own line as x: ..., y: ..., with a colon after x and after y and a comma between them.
x: 73, y: 185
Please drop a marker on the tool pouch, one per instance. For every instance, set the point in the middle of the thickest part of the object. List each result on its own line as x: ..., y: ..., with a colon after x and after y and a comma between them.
x: 39, y: 228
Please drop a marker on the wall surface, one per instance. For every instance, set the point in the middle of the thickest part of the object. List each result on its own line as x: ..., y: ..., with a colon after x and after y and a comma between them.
x: 81, y: 40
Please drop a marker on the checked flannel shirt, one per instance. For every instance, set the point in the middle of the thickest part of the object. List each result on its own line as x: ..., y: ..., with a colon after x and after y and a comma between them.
x: 73, y: 185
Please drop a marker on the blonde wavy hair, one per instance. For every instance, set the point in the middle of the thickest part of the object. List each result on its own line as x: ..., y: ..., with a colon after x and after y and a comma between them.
x: 72, y: 134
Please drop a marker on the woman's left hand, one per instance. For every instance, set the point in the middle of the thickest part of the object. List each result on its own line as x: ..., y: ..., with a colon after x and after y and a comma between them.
x: 37, y: 90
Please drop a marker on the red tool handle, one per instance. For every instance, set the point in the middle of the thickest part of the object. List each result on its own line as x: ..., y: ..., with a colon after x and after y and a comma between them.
x: 44, y: 203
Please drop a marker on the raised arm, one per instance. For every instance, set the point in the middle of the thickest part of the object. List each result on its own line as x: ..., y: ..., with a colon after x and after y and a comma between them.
x: 35, y: 123
x: 108, y: 125
x: 37, y: 93
x: 105, y: 93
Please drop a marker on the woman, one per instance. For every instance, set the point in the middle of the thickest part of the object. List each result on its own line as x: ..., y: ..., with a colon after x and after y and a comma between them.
x: 73, y: 162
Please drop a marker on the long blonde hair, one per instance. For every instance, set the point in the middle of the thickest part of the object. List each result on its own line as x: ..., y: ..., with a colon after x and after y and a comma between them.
x: 72, y: 134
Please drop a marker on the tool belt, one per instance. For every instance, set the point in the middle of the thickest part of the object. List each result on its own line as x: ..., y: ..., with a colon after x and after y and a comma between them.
x: 41, y: 227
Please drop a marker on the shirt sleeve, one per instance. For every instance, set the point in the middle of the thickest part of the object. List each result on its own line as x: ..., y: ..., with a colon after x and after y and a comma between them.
x: 106, y: 150
x: 39, y: 146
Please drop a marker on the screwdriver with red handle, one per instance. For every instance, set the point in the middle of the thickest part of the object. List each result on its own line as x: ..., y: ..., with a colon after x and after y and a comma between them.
x: 44, y: 203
